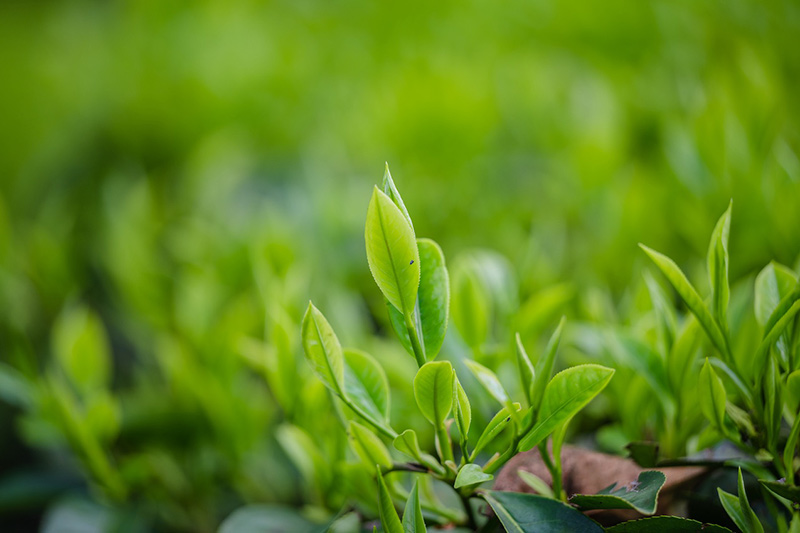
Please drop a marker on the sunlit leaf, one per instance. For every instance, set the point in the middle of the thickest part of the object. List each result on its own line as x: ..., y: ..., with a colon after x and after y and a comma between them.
x: 471, y: 474
x: 544, y: 366
x: 739, y: 509
x: 366, y: 385
x: 413, y: 522
x: 497, y: 424
x: 368, y: 446
x: 322, y: 349
x: 433, y: 390
x: 462, y: 410
x: 718, y: 268
x: 525, y: 368
x: 712, y: 396
x: 489, y: 381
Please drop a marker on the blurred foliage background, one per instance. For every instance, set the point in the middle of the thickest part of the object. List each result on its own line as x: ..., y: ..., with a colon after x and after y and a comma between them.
x: 179, y: 178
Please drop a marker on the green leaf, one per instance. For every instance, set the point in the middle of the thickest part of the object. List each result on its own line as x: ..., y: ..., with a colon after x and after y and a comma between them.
x: 489, y: 380
x: 461, y: 409
x: 305, y: 456
x: 644, y: 454
x: 792, y: 389
x: 718, y: 268
x: 407, y: 443
x: 712, y: 396
x: 433, y: 303
x: 389, y: 519
x: 528, y: 513
x: 471, y: 474
x: 665, y: 312
x: 791, y: 446
x: 413, y: 522
x: 266, y: 519
x: 739, y: 509
x: 783, y: 490
x: 322, y: 349
x: 497, y: 424
x: 566, y: 394
x: 365, y: 384
x: 777, y: 322
x: 525, y: 368
x: 666, y: 524
x: 536, y: 483
x: 81, y: 348
x: 642, y: 495
x: 773, y: 283
x: 433, y: 390
x: 391, y: 191
x: 368, y: 446
x: 693, y: 301
x: 471, y: 305
x: 544, y: 366
x: 392, y: 252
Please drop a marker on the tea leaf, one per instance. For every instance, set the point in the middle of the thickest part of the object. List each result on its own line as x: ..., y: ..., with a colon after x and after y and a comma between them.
x: 489, y: 381
x: 544, y: 366
x: 389, y: 519
x: 783, y: 490
x: 413, y: 522
x: 322, y: 349
x: 739, y: 509
x: 641, y: 495
x: 793, y: 391
x: 778, y: 321
x: 525, y: 368
x: 365, y: 384
x: 392, y: 252
x: 471, y: 474
x: 528, y: 513
x: 566, y: 394
x: 433, y: 390
x: 406, y: 443
x: 266, y: 519
x: 718, y: 268
x: 712, y: 396
x: 471, y: 306
x: 773, y: 283
x: 671, y: 524
x: 497, y: 424
x: 536, y: 483
x: 391, y: 191
x: 461, y: 408
x: 368, y: 446
x: 693, y: 301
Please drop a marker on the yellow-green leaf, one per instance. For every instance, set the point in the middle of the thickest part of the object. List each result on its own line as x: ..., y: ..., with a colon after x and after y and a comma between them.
x: 322, y: 349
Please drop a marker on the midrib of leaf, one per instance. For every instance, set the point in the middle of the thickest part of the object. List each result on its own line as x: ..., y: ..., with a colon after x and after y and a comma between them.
x: 501, y: 510
x: 391, y: 261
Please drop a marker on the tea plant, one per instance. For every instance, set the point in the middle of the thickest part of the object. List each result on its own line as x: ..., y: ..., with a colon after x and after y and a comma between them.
x: 413, y: 278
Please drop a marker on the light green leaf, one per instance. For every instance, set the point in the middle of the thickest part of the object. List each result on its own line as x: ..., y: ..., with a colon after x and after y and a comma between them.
x: 489, y: 380
x: 536, y: 483
x: 305, y: 456
x: 391, y: 191
x: 433, y: 303
x: 266, y: 519
x: 433, y: 390
x: 782, y: 489
x: 322, y: 349
x: 497, y: 424
x: 81, y: 348
x: 773, y: 283
x: 365, y: 384
x: 471, y: 305
x: 712, y: 396
x: 642, y: 495
x: 525, y: 368
x: 739, y: 509
x: 407, y: 443
x: 665, y: 313
x: 471, y: 474
x: 392, y: 252
x: 777, y: 322
x: 566, y: 394
x: 528, y: 513
x: 389, y: 519
x: 693, y: 301
x: 544, y: 366
x: 718, y: 268
x: 413, y: 522
x: 368, y: 446
x: 792, y: 389
x: 461, y: 408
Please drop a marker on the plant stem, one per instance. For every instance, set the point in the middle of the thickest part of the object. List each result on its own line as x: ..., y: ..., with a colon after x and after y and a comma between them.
x: 445, y: 446
x: 382, y: 430
x: 419, y: 351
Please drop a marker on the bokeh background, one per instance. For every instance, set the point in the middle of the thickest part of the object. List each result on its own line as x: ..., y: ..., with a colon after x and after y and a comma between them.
x: 179, y: 177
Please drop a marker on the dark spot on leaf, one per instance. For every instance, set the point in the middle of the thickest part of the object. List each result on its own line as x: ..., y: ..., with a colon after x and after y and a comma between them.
x: 412, y: 262
x: 507, y: 419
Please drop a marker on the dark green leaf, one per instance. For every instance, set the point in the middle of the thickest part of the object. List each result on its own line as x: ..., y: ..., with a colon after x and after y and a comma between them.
x: 528, y: 513
x: 641, y: 495
x: 260, y: 518
x: 666, y: 524
x: 739, y: 509
x: 645, y: 454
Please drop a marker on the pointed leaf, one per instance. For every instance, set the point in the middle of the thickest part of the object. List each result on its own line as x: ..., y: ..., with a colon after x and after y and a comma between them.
x: 497, y: 424
x: 433, y: 390
x: 368, y: 446
x: 773, y: 283
x: 392, y: 252
x: 718, y: 268
x: 461, y: 408
x: 525, y: 368
x: 322, y: 349
x: 406, y: 443
x: 544, y: 366
x: 566, y: 394
x: 641, y: 495
x: 712, y: 396
x: 471, y: 474
x: 666, y: 524
x: 689, y: 295
x: 391, y: 191
x: 365, y: 384
x: 783, y: 490
x: 528, y: 513
x: 413, y: 522
x: 739, y: 509
x: 536, y: 483
x: 389, y: 519
x: 489, y: 380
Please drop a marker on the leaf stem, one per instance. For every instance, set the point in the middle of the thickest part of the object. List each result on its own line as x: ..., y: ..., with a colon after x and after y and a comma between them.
x: 419, y: 352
